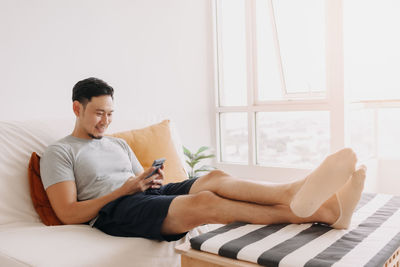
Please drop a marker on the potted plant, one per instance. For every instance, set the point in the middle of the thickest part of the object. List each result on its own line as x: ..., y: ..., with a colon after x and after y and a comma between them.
x: 192, y: 159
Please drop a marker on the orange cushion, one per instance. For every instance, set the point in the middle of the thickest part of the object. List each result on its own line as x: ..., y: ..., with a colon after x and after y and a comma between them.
x: 39, y: 197
x: 154, y: 142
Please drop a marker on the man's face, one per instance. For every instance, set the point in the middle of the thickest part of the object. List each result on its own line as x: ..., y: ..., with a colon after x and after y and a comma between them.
x: 95, y: 117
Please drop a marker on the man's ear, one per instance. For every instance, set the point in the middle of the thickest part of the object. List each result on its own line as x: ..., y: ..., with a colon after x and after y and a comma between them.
x: 77, y: 108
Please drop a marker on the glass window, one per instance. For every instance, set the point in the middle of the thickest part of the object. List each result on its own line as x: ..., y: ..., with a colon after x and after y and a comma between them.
x: 232, y: 53
x: 286, y: 45
x: 234, y: 137
x: 362, y: 133
x: 269, y: 78
x: 372, y: 49
x: 298, y: 139
x: 389, y: 133
x: 301, y: 35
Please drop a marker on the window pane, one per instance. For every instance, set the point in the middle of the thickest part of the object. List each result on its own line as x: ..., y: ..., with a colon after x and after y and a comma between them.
x: 371, y: 49
x: 301, y: 34
x: 298, y: 139
x: 232, y: 39
x: 234, y: 137
x: 362, y: 133
x: 269, y: 79
x: 389, y: 133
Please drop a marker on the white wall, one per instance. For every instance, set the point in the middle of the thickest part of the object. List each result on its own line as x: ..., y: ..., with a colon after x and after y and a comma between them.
x: 157, y: 55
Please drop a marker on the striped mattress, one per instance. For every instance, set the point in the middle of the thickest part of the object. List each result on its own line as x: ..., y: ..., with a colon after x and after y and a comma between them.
x: 372, y: 238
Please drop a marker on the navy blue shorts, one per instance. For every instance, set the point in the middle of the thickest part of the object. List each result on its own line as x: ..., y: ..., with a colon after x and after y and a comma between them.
x: 142, y: 214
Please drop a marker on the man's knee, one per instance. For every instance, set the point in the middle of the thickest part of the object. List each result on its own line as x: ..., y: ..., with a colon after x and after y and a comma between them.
x: 187, y: 212
x: 214, y: 176
x: 203, y: 206
x: 217, y: 173
x: 204, y: 198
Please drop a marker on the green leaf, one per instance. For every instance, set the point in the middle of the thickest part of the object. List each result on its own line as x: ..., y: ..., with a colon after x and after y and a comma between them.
x: 192, y: 159
x: 198, y: 171
x: 193, y: 163
x: 188, y: 153
x: 206, y: 168
x: 205, y: 157
x: 201, y: 149
x: 203, y: 169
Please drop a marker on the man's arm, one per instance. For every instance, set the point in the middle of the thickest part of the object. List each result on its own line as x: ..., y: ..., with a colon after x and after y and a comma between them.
x: 63, y: 197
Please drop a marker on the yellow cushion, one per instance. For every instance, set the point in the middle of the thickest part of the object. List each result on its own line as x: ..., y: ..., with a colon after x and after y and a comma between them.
x: 154, y: 142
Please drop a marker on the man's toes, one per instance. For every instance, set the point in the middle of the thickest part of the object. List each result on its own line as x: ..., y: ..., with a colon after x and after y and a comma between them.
x: 359, y: 175
x: 361, y: 171
x: 363, y: 167
x: 358, y: 178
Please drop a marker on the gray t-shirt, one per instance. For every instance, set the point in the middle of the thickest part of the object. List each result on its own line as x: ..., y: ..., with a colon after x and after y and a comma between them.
x: 98, y: 166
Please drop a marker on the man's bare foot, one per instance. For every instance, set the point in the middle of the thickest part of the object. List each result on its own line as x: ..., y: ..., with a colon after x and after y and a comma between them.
x: 338, y: 209
x: 348, y: 198
x: 323, y: 182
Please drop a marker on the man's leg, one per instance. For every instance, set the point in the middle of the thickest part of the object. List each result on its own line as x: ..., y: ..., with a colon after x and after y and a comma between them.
x: 189, y: 211
x: 337, y: 167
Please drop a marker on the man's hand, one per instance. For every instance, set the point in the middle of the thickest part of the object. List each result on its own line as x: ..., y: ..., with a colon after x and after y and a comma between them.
x: 158, y: 181
x: 139, y: 183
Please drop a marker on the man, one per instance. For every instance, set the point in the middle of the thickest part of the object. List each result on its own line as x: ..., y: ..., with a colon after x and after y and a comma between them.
x: 93, y: 178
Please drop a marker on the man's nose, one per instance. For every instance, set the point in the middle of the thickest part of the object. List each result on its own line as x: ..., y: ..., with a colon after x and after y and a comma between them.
x: 105, y: 119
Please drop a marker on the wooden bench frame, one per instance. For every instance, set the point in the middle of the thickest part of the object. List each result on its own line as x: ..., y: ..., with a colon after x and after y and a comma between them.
x: 195, y: 258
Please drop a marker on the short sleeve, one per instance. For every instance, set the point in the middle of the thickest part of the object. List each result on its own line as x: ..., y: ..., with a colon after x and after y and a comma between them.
x: 56, y: 165
x: 136, y: 166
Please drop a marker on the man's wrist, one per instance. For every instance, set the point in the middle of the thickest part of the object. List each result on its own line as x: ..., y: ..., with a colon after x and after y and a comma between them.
x: 119, y: 192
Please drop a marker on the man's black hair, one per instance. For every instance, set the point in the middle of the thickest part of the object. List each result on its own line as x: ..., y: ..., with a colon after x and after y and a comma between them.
x: 84, y: 90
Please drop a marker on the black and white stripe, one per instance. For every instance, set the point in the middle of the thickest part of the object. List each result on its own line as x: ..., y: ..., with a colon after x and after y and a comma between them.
x: 373, y: 236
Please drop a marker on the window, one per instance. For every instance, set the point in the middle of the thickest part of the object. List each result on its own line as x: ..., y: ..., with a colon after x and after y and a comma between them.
x: 279, y: 25
x: 293, y: 138
x: 234, y: 137
x: 298, y: 79
x: 372, y: 80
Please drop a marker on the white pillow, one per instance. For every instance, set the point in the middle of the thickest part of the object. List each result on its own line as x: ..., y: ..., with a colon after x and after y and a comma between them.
x: 17, y: 142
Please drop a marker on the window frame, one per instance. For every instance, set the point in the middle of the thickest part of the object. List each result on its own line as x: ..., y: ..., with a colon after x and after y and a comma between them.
x: 293, y: 102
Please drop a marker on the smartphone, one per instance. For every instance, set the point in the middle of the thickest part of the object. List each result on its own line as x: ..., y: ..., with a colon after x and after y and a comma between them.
x: 158, y: 164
